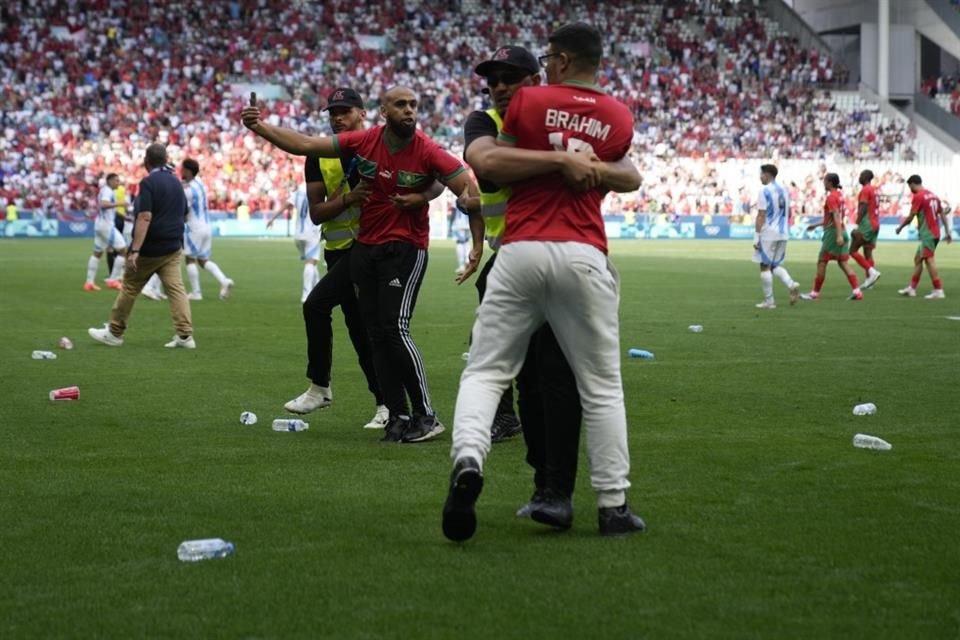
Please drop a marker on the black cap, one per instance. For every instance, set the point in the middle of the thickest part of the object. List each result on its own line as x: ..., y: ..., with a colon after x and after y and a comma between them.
x: 511, y: 56
x: 344, y: 97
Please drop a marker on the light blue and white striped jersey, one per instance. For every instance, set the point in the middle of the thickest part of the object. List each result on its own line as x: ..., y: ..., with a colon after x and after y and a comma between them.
x: 775, y: 201
x: 197, y: 199
x: 106, y: 195
x: 305, y: 227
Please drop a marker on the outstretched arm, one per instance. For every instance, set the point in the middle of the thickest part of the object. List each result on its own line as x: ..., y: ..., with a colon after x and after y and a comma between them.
x: 287, y: 139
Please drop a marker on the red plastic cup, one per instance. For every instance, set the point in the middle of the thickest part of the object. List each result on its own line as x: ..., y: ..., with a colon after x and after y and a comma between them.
x: 67, y: 393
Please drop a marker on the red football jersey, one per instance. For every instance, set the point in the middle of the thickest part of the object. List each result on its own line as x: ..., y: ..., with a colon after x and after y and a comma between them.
x: 869, y: 195
x: 571, y: 117
x: 410, y: 169
x: 927, y: 207
x: 834, y: 202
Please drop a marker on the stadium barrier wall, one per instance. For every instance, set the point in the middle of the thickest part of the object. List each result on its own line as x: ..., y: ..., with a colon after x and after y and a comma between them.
x: 642, y: 227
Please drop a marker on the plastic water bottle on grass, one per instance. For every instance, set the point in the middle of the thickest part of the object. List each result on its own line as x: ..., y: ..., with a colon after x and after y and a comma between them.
x: 208, y: 549
x: 864, y: 441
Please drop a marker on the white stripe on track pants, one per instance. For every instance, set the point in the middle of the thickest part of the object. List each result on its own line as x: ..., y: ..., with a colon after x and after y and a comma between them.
x: 575, y: 288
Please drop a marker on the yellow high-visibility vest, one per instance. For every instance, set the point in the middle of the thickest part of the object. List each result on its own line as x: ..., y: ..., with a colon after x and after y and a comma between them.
x: 494, y: 205
x: 340, y: 232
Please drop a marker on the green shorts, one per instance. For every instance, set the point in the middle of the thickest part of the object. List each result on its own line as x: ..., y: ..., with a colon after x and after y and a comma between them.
x: 869, y: 235
x: 927, y: 248
x: 830, y: 250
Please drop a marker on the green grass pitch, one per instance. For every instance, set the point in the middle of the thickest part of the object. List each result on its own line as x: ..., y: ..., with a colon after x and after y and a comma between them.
x: 764, y: 521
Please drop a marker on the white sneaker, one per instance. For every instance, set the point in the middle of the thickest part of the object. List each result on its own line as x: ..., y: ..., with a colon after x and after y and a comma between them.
x: 936, y: 294
x: 104, y: 336
x: 149, y: 292
x: 194, y: 295
x: 794, y: 293
x: 766, y: 304
x: 310, y: 400
x: 909, y: 292
x: 225, y: 289
x: 813, y: 295
x: 380, y: 419
x: 871, y: 280
x: 184, y: 343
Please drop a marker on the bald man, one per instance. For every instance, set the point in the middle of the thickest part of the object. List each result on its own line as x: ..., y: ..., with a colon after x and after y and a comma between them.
x: 389, y: 257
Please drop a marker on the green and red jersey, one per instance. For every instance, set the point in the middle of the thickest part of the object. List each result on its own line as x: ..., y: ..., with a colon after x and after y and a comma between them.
x: 871, y: 221
x: 927, y: 206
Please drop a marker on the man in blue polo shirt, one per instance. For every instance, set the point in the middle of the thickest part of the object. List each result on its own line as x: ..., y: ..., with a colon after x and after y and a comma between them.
x: 161, y: 211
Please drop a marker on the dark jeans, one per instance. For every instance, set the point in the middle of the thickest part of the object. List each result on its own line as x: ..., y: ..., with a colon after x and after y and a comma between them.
x: 549, y: 406
x: 388, y: 278
x: 336, y: 289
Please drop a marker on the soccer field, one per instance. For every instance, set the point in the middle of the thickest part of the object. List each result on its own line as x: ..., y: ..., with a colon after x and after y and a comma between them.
x: 764, y: 521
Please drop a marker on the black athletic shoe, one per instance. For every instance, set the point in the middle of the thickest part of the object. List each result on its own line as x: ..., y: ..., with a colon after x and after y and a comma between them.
x: 619, y: 521
x: 553, y: 509
x: 423, y: 428
x: 505, y: 425
x: 396, y: 427
x: 466, y: 483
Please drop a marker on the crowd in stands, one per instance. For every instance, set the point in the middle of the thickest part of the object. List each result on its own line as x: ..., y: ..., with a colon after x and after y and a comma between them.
x: 87, y: 84
x: 945, y: 90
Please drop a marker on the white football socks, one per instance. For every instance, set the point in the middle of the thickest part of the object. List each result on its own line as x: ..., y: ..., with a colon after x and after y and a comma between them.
x: 118, y: 264
x: 766, y: 283
x: 212, y: 267
x: 784, y: 276
x: 92, y: 265
x: 193, y: 274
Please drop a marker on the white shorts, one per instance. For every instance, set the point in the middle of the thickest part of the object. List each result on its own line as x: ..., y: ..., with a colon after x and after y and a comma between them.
x: 771, y: 252
x: 309, y: 248
x: 198, y: 241
x: 105, y: 235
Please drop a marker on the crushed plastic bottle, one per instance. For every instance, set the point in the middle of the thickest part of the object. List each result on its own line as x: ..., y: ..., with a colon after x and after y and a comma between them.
x: 290, y: 424
x: 640, y: 353
x: 207, y: 549
x: 43, y: 355
x: 864, y: 441
x: 865, y: 409
x: 695, y: 328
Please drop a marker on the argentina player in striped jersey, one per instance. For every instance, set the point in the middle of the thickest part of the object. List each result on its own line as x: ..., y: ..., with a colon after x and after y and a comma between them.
x: 306, y: 237
x: 770, y: 240
x: 198, y: 236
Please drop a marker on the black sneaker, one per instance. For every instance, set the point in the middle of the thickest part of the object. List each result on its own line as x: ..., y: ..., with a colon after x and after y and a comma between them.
x: 466, y: 483
x: 422, y: 428
x: 505, y: 425
x: 524, y: 511
x: 554, y: 510
x: 619, y: 521
x: 396, y: 427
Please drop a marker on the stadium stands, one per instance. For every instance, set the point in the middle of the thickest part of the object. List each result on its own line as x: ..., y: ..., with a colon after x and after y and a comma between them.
x: 88, y: 84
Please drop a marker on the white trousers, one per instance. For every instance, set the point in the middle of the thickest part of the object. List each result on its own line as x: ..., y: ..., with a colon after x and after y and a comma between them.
x: 575, y: 288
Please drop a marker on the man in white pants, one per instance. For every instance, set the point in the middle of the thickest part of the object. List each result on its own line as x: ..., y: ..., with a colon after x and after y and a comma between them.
x: 770, y: 243
x: 552, y: 268
x: 106, y: 236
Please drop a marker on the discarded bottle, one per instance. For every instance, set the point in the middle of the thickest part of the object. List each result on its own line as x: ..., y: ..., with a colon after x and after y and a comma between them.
x: 290, y: 424
x: 208, y: 549
x: 640, y: 353
x: 465, y: 356
x: 248, y: 417
x: 43, y: 355
x: 866, y: 409
x: 863, y: 441
x: 65, y: 343
x: 695, y: 328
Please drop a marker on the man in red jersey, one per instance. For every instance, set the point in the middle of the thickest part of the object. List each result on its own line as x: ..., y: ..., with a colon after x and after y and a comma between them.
x: 868, y: 226
x: 389, y: 258
x: 835, y: 244
x: 930, y: 212
x: 552, y: 267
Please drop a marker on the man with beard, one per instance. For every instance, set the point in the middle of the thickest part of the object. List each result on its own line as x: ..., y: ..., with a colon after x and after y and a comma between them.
x: 389, y: 257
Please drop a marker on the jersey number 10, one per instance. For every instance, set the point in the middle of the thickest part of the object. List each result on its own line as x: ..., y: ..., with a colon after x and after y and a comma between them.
x: 573, y: 144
